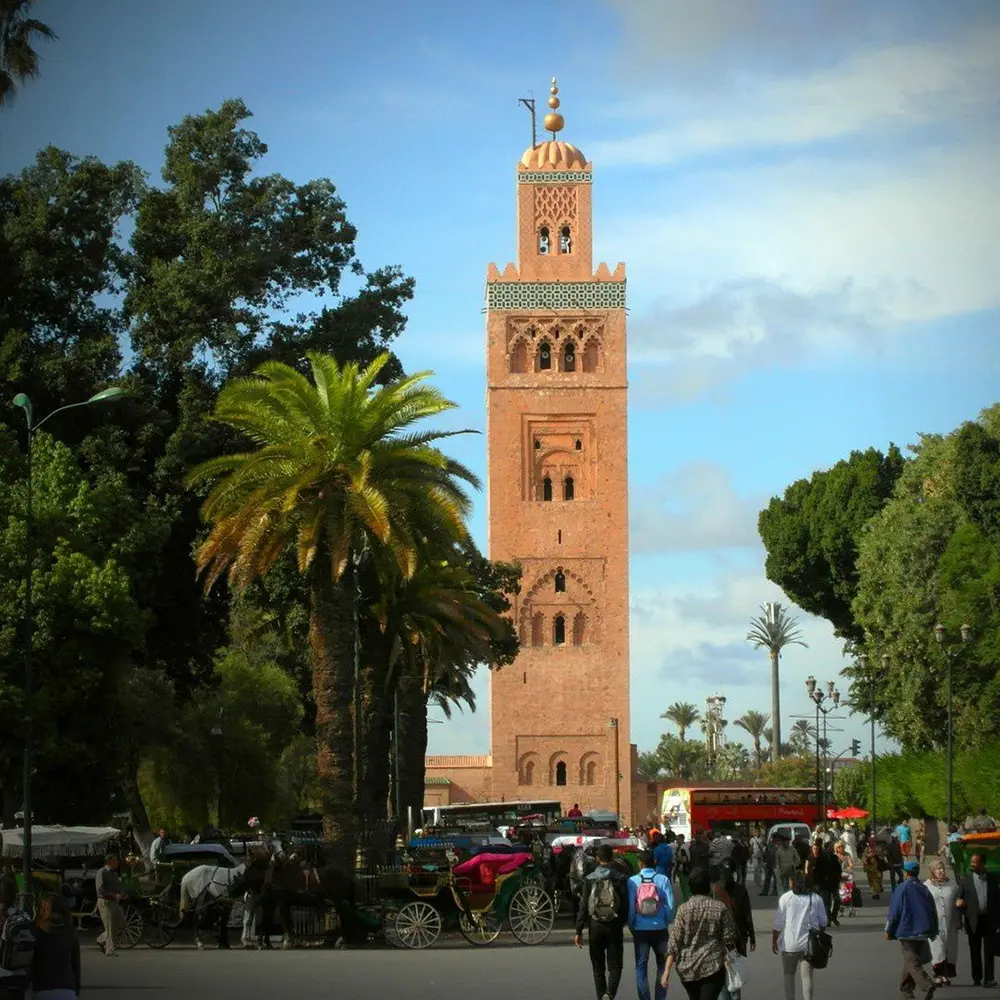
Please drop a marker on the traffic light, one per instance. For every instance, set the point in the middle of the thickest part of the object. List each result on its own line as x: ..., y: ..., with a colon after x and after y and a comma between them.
x: 855, y: 747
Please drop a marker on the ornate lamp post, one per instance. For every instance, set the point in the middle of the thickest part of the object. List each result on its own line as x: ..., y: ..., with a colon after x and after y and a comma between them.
x: 24, y: 403
x: 216, y: 738
x: 871, y: 676
x: 818, y: 695
x: 950, y: 654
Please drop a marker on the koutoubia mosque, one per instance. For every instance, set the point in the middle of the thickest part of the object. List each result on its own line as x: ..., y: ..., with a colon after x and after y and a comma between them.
x: 556, y: 391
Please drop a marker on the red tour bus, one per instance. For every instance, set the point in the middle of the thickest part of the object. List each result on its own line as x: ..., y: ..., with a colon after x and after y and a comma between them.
x: 690, y: 810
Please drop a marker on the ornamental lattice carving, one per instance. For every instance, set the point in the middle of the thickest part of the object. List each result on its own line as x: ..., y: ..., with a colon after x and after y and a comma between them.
x: 555, y: 295
x: 554, y: 177
x: 556, y: 205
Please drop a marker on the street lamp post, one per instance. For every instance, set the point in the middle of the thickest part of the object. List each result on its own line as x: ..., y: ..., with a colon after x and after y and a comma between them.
x: 863, y: 660
x: 950, y: 654
x: 24, y: 403
x: 818, y: 695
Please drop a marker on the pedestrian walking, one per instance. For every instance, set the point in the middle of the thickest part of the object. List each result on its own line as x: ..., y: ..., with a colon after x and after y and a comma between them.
x: 650, y: 912
x: 979, y: 900
x: 733, y: 894
x: 770, y: 868
x: 701, y: 938
x: 13, y: 980
x: 55, y: 970
x: 663, y: 856
x: 800, y: 910
x: 604, y: 911
x: 874, y: 863
x: 682, y: 865
x: 944, y: 948
x: 894, y: 858
x: 110, y: 894
x: 904, y: 834
x: 787, y: 862
x: 913, y: 921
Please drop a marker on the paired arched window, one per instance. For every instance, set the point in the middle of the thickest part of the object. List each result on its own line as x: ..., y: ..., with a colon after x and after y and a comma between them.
x: 528, y: 773
x: 590, y: 776
x: 519, y: 358
x: 560, y: 581
x: 544, y: 242
x: 559, y: 630
x: 591, y: 355
x: 579, y: 628
x: 544, y: 356
x: 568, y: 488
x: 569, y: 356
x: 565, y: 240
x: 546, y: 488
x: 561, y: 773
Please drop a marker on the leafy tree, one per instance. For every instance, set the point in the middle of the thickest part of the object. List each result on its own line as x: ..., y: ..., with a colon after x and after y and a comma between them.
x: 731, y: 763
x: 337, y: 470
x: 683, y: 715
x: 789, y: 772
x: 774, y: 629
x: 811, y: 533
x: 19, y: 62
x: 924, y: 560
x: 755, y: 725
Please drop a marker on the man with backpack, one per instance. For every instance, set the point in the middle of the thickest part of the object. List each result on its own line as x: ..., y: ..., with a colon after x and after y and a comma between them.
x: 650, y: 911
x: 17, y: 944
x: 604, y: 909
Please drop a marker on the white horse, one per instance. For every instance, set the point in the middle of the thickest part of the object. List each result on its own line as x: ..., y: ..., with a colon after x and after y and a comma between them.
x: 208, y: 883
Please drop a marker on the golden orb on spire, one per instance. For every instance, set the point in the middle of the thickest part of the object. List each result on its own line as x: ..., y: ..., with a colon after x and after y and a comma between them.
x: 554, y: 121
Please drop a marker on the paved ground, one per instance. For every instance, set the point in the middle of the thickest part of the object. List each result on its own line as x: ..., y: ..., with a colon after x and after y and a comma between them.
x: 864, y: 967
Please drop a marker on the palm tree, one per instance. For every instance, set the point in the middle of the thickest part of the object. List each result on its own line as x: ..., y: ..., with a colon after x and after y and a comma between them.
x: 683, y: 715
x: 336, y: 471
x: 802, y: 736
x: 774, y: 629
x: 755, y: 724
x: 18, y: 60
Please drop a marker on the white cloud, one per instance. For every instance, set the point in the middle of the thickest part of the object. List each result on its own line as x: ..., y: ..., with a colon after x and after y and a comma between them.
x: 693, y: 508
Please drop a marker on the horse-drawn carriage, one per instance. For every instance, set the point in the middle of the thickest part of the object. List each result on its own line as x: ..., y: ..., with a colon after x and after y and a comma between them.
x: 481, y: 897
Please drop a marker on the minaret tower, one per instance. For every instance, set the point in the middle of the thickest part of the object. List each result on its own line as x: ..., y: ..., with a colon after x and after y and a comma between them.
x: 558, y: 492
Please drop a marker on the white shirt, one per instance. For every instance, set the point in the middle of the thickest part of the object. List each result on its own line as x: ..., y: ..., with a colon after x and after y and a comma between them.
x: 979, y: 881
x: 795, y: 916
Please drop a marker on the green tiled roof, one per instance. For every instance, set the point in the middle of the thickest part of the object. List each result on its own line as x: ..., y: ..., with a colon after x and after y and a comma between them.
x: 437, y: 781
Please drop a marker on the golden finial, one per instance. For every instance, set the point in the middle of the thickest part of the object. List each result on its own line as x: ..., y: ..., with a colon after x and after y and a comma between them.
x: 553, y: 120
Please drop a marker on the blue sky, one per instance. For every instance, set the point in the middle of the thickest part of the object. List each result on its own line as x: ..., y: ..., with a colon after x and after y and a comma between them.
x: 804, y: 194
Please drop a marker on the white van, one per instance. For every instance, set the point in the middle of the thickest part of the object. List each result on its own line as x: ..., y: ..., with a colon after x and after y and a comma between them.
x: 793, y: 831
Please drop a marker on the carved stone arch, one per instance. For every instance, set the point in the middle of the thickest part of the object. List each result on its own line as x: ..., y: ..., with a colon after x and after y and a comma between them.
x: 517, y: 355
x: 527, y: 768
x: 559, y: 768
x: 592, y: 356
x: 545, y: 583
x: 589, y: 767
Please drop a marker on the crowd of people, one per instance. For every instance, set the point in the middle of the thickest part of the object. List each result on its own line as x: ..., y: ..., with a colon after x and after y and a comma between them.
x: 689, y: 910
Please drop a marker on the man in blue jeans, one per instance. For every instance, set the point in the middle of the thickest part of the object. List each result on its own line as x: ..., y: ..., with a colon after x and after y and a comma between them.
x: 650, y: 912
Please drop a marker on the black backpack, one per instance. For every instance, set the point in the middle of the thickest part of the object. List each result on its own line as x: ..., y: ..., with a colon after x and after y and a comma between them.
x: 17, y: 942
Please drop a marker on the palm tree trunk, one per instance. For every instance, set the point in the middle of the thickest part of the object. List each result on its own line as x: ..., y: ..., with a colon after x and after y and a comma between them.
x: 775, y: 708
x: 137, y: 809
x: 412, y: 745
x: 332, y: 645
x: 376, y: 740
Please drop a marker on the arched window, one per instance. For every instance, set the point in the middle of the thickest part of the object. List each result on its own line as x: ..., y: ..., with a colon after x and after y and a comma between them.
x: 543, y: 240
x: 560, y: 582
x: 519, y: 358
x: 544, y: 356
x: 590, y: 776
x: 568, y: 488
x: 538, y: 444
x: 528, y: 777
x: 561, y: 773
x: 537, y: 627
x: 569, y: 356
x: 559, y: 630
x: 590, y: 356
x: 546, y: 488
x: 578, y: 445
x: 565, y: 240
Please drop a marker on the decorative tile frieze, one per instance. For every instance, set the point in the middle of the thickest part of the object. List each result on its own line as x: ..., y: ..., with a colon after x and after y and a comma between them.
x: 554, y: 177
x: 555, y: 295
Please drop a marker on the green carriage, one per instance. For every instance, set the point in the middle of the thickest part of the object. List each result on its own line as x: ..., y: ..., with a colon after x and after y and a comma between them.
x: 480, y: 897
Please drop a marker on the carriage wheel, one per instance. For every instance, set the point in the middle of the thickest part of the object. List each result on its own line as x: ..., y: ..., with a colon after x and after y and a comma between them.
x: 418, y: 925
x: 389, y: 929
x: 480, y: 928
x: 531, y: 914
x: 132, y: 926
x: 159, y: 928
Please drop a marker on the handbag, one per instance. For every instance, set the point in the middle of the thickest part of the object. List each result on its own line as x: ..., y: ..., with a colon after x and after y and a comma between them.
x: 819, y: 948
x: 736, y: 971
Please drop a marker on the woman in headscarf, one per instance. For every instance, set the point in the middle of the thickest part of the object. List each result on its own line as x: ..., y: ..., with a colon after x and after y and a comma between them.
x: 944, y: 947
x: 872, y: 862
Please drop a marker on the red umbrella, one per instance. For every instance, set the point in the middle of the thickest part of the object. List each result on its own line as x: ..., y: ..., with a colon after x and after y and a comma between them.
x: 851, y: 812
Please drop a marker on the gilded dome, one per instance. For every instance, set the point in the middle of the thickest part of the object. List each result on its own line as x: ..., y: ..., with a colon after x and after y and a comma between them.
x: 554, y: 155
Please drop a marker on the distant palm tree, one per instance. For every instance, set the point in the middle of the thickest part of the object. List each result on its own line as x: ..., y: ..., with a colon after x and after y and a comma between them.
x: 18, y: 60
x: 774, y: 629
x: 785, y: 750
x: 755, y: 724
x: 683, y: 715
x: 802, y: 736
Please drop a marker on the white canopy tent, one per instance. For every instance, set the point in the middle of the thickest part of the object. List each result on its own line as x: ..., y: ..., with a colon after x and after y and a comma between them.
x: 59, y: 841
